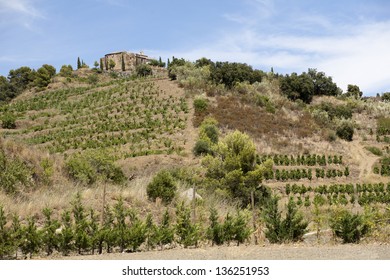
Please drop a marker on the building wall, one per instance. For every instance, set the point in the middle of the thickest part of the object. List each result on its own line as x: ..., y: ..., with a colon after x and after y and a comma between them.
x: 131, y: 60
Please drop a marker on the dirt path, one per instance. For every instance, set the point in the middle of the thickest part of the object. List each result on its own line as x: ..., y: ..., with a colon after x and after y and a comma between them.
x: 252, y: 252
x: 364, y: 159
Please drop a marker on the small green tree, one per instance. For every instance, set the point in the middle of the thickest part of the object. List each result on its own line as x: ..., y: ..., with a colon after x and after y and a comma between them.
x: 215, y: 231
x: 293, y: 226
x: 66, y: 234
x: 120, y: 226
x: 136, y: 232
x: 8, y: 121
x: 165, y: 230
x: 101, y: 64
x: 6, y: 247
x: 151, y: 232
x: 16, y: 234
x: 349, y: 227
x: 48, y: 232
x: 93, y: 230
x: 163, y: 186
x: 188, y: 232
x: 81, y: 238
x: 31, y: 240
x: 111, y: 64
x: 105, y: 234
x: 240, y: 228
x: 273, y: 220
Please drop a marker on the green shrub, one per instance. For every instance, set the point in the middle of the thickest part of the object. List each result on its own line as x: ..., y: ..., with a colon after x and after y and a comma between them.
x: 202, y: 147
x: 6, y: 242
x: 8, y: 121
x: 14, y: 173
x: 345, y: 131
x: 383, y: 126
x: 375, y: 150
x: 144, y: 70
x: 163, y: 186
x: 200, y: 104
x: 90, y: 167
x: 349, y: 227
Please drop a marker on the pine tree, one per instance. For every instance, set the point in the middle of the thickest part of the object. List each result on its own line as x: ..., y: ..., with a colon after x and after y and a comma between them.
x: 31, y: 241
x: 120, y: 227
x: 215, y: 231
x: 240, y: 228
x: 187, y: 232
x: 165, y: 231
x: 105, y: 232
x: 293, y: 226
x: 48, y: 233
x: 78, y: 63
x: 16, y: 234
x: 151, y: 232
x: 66, y: 235
x: 228, y: 228
x: 5, y: 236
x: 273, y: 220
x: 93, y: 229
x: 81, y: 238
x: 136, y: 233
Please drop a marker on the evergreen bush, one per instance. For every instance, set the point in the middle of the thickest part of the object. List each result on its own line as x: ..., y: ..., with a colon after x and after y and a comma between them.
x: 163, y: 186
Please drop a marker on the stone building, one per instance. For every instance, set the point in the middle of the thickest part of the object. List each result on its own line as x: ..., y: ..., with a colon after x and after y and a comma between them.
x: 123, y: 61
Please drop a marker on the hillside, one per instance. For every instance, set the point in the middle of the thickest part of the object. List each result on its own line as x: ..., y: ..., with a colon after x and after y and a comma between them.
x: 79, y: 135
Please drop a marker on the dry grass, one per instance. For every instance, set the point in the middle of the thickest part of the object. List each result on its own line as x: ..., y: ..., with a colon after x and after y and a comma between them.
x: 232, y: 114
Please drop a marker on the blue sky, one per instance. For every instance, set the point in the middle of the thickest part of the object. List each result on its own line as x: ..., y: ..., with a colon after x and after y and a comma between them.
x: 348, y: 40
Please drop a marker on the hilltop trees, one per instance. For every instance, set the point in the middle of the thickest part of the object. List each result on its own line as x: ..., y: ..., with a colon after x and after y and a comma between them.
x: 44, y: 75
x: 354, y: 91
x: 229, y: 73
x: 307, y: 85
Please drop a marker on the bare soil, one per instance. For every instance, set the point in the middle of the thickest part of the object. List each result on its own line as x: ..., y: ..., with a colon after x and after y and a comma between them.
x: 298, y: 251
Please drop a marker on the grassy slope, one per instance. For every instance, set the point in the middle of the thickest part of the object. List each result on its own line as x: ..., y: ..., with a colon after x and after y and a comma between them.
x: 148, y: 126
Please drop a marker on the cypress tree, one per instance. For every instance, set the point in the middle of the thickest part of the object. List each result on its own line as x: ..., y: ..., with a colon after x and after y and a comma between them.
x: 78, y: 63
x: 101, y: 64
x: 123, y: 63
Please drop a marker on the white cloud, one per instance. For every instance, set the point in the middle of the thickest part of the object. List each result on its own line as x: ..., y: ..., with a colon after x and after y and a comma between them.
x: 22, y: 12
x: 351, y: 54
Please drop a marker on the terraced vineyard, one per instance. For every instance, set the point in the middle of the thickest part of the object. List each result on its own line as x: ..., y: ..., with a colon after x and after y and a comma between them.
x: 321, y: 180
x: 129, y: 117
